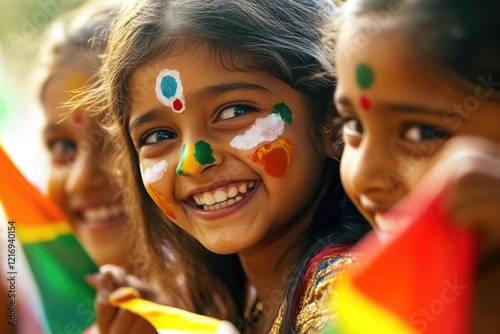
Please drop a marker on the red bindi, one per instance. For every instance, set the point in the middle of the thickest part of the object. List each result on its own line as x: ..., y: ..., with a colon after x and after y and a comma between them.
x: 78, y: 118
x: 365, y: 102
x: 177, y: 105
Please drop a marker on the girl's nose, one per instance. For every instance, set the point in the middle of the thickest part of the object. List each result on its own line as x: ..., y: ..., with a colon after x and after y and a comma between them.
x: 374, y: 169
x: 195, y: 158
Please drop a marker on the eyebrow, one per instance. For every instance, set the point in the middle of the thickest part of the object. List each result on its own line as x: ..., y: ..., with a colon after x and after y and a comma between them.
x: 50, y: 127
x: 231, y: 86
x: 397, y: 107
x: 147, y: 117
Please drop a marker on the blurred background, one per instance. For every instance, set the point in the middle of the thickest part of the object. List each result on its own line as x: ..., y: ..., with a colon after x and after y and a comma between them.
x: 22, y: 27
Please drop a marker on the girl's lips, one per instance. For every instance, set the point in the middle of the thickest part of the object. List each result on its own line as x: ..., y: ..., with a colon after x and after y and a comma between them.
x: 223, y: 196
x: 103, y: 225
x: 101, y: 217
x: 226, y: 210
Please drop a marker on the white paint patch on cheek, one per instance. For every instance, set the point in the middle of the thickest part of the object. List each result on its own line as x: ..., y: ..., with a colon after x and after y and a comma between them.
x: 154, y: 173
x: 169, y: 90
x: 264, y: 130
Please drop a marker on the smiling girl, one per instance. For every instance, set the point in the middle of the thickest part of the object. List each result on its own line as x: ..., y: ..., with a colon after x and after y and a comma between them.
x: 222, y: 107
x: 420, y: 97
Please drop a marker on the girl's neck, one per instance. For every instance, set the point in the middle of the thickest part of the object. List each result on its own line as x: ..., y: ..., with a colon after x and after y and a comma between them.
x: 269, y: 265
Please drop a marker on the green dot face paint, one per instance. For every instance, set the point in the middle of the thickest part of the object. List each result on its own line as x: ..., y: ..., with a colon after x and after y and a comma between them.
x: 193, y: 156
x: 364, y: 76
x: 364, y: 79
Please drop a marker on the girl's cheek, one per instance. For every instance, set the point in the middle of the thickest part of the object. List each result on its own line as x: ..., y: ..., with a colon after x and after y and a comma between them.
x: 152, y: 175
x: 275, y: 158
x: 163, y: 203
x: 273, y: 153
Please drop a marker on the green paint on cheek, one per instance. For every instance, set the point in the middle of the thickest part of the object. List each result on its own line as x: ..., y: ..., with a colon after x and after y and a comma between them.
x: 284, y: 112
x: 203, y: 153
x: 364, y: 76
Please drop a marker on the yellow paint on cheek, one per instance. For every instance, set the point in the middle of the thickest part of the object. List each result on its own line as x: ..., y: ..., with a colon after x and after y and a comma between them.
x: 162, y: 202
x: 275, y: 157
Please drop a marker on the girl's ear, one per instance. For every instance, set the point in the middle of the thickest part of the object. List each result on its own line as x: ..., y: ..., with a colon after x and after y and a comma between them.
x: 330, y: 134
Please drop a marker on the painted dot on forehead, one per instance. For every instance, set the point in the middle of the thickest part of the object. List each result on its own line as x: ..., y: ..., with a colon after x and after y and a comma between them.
x: 365, y: 103
x: 77, y: 118
x: 364, y: 76
x: 169, y: 90
x: 168, y: 86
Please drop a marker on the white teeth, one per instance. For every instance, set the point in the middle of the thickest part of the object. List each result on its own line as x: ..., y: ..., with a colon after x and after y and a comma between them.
x: 208, y: 199
x: 198, y: 200
x: 220, y: 196
x: 233, y: 191
x: 243, y: 188
x: 102, y: 213
x: 221, y: 199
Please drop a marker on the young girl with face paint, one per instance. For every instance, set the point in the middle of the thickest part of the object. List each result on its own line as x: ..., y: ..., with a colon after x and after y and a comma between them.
x: 420, y: 98
x: 87, y: 186
x: 81, y: 181
x: 220, y: 108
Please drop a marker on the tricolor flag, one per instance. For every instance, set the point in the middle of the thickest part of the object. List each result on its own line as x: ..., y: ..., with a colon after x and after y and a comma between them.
x: 419, y: 281
x: 56, y: 259
x: 171, y: 320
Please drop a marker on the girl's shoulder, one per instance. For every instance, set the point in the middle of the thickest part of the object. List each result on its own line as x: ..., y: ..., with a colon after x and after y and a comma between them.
x: 313, y: 310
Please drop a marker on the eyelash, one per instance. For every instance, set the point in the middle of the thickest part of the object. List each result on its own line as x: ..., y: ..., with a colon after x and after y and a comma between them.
x: 61, y: 150
x: 245, y: 108
x: 342, y: 120
x: 144, y: 138
x: 436, y: 135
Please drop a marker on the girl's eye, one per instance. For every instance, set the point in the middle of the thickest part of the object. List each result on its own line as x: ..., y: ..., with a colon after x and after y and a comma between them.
x: 235, y: 111
x: 62, y: 151
x: 419, y: 133
x: 157, y: 136
x: 352, y: 127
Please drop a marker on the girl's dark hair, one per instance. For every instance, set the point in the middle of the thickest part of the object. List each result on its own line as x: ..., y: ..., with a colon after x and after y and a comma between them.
x: 461, y: 37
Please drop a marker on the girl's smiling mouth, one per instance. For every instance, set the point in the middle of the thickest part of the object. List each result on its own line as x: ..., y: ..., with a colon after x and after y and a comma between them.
x: 221, y: 197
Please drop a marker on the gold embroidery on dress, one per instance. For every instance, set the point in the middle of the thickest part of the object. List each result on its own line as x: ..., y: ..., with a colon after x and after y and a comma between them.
x: 314, y: 312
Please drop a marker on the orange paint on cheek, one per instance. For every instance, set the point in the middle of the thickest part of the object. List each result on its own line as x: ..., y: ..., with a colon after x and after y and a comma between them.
x: 275, y: 157
x: 162, y: 202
